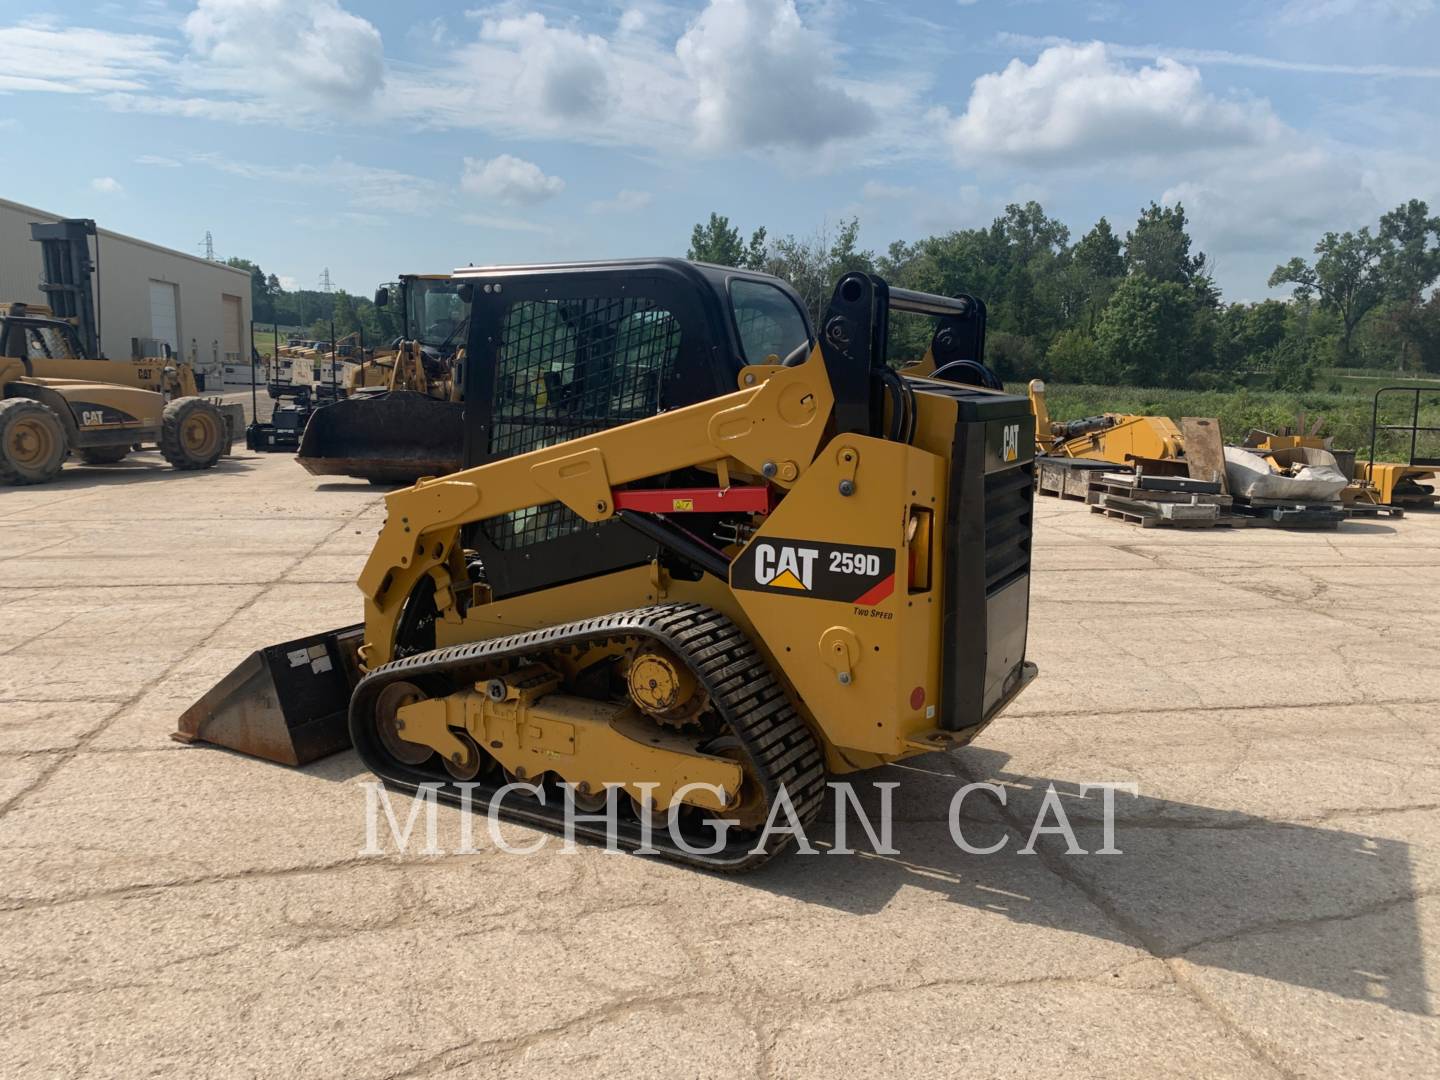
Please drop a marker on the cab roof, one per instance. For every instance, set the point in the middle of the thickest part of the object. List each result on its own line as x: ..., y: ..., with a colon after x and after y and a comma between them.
x: 710, y: 273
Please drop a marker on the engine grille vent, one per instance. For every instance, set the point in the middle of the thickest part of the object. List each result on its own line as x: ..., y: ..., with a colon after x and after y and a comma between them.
x: 1009, y: 497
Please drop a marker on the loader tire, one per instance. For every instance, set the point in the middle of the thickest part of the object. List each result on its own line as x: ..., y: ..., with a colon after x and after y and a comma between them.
x: 33, y: 442
x: 192, y: 434
x: 103, y: 455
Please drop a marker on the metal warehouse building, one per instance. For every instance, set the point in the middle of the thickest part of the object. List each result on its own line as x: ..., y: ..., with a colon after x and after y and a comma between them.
x: 146, y: 294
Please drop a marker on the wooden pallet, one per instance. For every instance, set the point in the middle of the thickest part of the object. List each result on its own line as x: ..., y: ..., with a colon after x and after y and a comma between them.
x: 1372, y: 510
x: 1155, y: 521
x: 1108, y: 487
x: 1068, y: 478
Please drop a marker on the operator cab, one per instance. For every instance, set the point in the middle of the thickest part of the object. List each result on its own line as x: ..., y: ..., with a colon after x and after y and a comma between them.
x: 560, y: 351
x: 27, y: 336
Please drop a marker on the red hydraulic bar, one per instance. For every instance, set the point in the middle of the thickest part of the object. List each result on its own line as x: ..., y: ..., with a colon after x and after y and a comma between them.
x: 745, y: 500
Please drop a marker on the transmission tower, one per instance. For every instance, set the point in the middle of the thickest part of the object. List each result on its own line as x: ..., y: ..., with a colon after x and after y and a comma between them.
x: 209, y: 245
x: 325, y: 285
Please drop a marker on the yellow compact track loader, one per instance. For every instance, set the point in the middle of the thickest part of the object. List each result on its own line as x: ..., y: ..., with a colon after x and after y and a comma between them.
x: 402, y: 415
x: 700, y: 555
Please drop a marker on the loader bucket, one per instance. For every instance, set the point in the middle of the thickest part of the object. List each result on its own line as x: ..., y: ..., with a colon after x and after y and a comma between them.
x: 286, y: 703
x: 394, y: 436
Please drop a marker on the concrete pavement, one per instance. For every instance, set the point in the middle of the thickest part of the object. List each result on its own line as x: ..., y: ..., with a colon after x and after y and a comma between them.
x: 181, y: 911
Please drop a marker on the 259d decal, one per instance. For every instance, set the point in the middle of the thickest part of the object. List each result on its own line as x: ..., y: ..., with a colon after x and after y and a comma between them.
x: 849, y: 574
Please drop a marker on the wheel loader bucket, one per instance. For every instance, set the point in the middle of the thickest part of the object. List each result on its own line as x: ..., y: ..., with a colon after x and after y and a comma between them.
x: 286, y: 703
x: 394, y: 436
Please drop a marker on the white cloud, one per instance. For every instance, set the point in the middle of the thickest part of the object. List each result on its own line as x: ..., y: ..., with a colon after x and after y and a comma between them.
x: 505, y: 223
x: 763, y: 79
x: 248, y: 61
x: 106, y: 185
x: 288, y: 283
x: 223, y: 110
x: 564, y: 72
x: 1075, y: 104
x: 737, y: 75
x: 1223, y: 57
x: 1299, y: 12
x: 509, y: 180
x: 74, y: 60
x: 626, y: 201
x: 521, y: 76
x: 157, y: 161
x: 874, y: 190
x: 303, y: 52
x: 1281, y: 199
x: 365, y: 187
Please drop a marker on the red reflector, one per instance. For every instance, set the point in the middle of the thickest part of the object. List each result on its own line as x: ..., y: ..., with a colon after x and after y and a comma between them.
x: 917, y: 698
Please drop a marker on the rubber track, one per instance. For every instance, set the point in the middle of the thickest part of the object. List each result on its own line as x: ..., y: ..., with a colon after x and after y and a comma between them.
x: 741, y: 685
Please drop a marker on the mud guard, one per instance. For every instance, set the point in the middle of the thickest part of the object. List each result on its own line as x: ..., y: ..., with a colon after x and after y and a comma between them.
x: 234, y: 417
x: 287, y: 703
x: 395, y: 436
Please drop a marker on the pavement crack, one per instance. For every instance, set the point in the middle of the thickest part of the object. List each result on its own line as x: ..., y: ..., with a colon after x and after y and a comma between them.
x: 93, y: 732
x: 1277, y: 925
x: 1131, y: 929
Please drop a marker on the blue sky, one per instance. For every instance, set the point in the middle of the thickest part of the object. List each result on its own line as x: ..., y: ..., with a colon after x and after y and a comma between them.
x: 376, y: 138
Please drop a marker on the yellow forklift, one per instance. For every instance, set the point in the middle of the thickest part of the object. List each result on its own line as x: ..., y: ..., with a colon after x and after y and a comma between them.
x: 58, y: 396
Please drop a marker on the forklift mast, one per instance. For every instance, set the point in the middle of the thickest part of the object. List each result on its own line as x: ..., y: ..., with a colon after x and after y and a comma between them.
x: 67, y: 275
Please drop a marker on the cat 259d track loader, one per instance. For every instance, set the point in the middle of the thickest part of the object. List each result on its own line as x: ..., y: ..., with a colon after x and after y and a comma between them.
x: 700, y: 554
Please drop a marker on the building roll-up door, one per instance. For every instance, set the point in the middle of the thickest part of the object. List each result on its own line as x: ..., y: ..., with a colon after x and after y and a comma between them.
x: 164, y: 314
x: 235, y: 361
x: 233, y: 332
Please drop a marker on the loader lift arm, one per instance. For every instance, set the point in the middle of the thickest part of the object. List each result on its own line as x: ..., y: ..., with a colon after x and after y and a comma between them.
x: 773, y: 427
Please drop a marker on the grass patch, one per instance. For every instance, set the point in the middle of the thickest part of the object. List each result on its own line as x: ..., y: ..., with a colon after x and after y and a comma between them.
x: 1346, y: 415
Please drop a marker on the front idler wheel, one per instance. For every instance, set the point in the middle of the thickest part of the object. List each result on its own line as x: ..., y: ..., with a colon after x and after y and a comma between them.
x: 390, y: 725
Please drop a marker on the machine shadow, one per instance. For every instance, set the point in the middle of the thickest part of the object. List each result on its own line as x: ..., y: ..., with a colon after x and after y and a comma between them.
x: 353, y: 486
x: 1191, y: 881
x: 150, y: 468
x: 1367, y: 528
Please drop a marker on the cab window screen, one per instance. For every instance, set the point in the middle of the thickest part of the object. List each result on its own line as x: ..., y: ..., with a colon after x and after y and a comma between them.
x: 567, y: 368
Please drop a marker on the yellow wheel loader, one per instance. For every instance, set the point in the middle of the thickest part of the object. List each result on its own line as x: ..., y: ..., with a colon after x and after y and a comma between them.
x: 700, y: 558
x: 402, y: 415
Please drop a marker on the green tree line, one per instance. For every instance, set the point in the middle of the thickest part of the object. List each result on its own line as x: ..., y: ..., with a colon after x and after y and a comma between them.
x: 1142, y: 309
x: 309, y: 312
